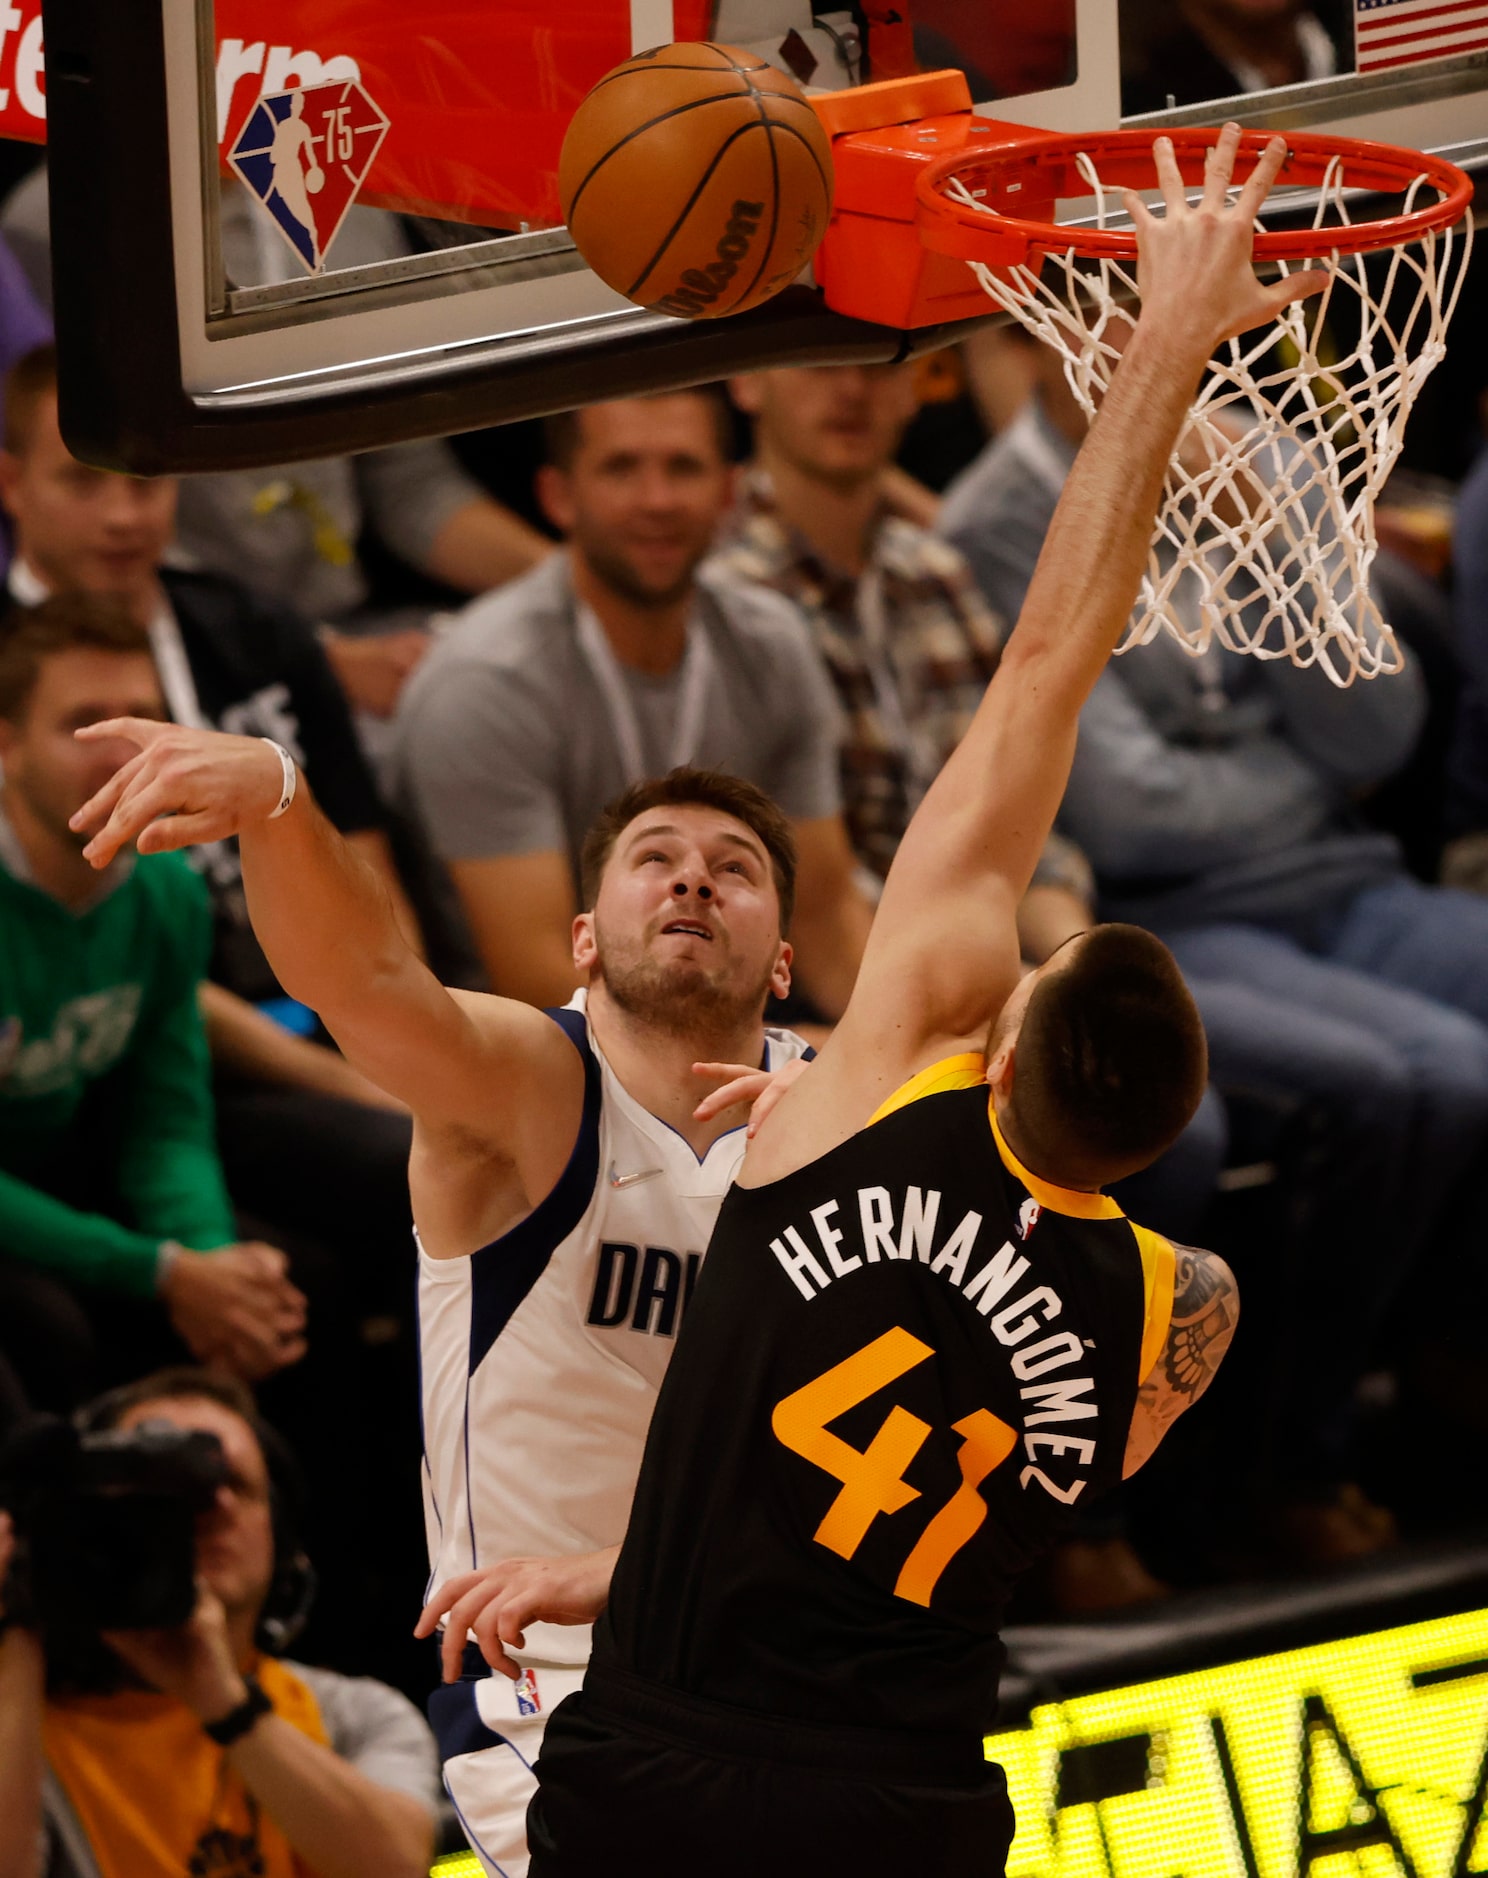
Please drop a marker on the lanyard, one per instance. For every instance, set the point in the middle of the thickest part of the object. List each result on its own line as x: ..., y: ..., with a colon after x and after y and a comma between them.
x: 692, y: 697
x: 174, y: 668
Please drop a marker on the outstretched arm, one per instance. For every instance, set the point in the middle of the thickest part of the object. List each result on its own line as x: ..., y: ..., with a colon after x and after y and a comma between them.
x: 943, y: 952
x: 327, y: 925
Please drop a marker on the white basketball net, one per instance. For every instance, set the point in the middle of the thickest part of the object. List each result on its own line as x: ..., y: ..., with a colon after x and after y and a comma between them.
x: 1269, y: 500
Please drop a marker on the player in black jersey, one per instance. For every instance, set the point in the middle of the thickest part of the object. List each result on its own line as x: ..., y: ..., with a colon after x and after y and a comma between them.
x: 923, y: 1334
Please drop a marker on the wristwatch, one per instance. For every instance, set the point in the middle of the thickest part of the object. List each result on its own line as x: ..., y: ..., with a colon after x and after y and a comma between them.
x: 236, y: 1723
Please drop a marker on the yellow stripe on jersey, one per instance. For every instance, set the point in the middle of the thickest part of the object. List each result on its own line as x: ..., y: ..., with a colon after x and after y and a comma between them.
x: 952, y: 1072
x: 1070, y: 1201
x: 970, y: 1068
x: 1157, y: 1294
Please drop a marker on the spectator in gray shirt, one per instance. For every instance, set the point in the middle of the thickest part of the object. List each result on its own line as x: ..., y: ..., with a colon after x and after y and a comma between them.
x: 616, y: 660
x: 1213, y: 796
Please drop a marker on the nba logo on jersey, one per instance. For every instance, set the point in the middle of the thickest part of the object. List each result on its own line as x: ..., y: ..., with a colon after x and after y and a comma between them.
x: 305, y: 154
x: 529, y: 1702
x: 1028, y: 1217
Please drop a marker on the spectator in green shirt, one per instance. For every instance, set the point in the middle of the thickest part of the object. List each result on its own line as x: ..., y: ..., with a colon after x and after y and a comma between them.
x: 110, y: 1184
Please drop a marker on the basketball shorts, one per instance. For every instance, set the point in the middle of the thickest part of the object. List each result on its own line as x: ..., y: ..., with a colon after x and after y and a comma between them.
x: 636, y: 1781
x: 489, y: 1731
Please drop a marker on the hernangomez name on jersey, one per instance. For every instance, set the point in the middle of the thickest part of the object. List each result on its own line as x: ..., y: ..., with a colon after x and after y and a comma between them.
x: 542, y: 1353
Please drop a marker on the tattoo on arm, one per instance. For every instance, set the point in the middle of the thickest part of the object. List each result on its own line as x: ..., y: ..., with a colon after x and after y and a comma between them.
x: 1205, y: 1313
x: 1203, y: 1322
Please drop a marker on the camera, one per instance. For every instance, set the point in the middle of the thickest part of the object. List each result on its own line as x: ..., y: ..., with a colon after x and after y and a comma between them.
x: 106, y: 1524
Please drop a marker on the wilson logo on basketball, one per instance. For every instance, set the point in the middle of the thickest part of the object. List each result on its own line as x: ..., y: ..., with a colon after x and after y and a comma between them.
x: 701, y: 286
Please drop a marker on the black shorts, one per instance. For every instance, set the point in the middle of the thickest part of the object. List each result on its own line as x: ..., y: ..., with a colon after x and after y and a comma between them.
x: 636, y: 1779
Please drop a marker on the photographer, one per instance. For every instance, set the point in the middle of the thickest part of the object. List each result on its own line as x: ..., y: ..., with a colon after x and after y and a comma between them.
x: 206, y: 1755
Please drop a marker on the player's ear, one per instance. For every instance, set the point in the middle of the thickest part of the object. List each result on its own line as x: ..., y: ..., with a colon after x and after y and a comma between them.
x: 1000, y: 1067
x: 585, y: 946
x: 780, y: 977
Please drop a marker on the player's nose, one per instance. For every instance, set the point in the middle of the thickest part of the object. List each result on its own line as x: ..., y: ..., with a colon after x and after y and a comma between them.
x: 681, y: 887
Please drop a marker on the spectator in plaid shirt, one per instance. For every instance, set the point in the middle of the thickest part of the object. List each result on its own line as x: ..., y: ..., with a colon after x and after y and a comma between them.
x: 899, y: 621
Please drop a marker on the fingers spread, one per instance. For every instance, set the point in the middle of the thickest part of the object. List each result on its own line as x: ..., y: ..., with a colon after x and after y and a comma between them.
x: 98, y: 807
x: 1136, y: 208
x: 1219, y: 166
x: 1297, y: 287
x: 143, y: 798
x: 182, y: 831
x: 1258, y: 183
x: 497, y: 1625
x: 1169, y: 177
x: 442, y: 1600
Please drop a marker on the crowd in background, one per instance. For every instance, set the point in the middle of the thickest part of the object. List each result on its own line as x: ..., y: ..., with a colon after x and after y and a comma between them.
x: 806, y: 577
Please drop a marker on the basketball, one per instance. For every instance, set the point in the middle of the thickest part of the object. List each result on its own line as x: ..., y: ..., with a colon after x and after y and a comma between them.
x: 696, y: 180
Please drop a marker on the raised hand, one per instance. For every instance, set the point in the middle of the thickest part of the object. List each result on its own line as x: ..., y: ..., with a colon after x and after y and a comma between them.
x: 1194, y: 261
x: 184, y: 786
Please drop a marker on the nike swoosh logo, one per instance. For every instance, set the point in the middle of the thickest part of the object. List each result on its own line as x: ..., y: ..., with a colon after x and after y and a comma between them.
x: 632, y: 1180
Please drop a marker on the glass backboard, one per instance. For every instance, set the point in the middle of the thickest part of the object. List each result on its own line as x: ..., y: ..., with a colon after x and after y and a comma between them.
x: 286, y: 228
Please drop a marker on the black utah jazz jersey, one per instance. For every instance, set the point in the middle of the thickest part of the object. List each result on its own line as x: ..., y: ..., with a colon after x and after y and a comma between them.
x: 905, y: 1366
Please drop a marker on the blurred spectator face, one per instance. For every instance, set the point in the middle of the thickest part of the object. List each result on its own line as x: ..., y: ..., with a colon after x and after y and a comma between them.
x: 235, y: 1540
x: 84, y: 530
x: 43, y: 763
x: 645, y: 490
x: 840, y: 424
x: 685, y: 929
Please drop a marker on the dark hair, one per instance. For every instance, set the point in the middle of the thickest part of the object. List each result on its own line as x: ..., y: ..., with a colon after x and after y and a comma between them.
x: 29, y: 380
x: 29, y: 635
x: 563, y: 432
x: 703, y: 789
x: 1111, y: 1060
x: 179, y: 1383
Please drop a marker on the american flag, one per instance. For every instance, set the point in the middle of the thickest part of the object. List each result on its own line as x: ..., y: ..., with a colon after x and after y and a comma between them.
x: 1406, y: 32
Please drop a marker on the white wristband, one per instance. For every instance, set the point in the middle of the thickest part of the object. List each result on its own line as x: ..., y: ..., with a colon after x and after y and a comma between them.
x: 291, y: 777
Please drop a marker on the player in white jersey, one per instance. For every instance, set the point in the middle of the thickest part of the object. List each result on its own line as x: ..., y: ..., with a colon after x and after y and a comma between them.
x: 541, y: 1357
x: 565, y: 1174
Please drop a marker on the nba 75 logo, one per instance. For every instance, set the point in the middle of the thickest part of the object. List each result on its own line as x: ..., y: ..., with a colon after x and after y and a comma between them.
x: 305, y: 154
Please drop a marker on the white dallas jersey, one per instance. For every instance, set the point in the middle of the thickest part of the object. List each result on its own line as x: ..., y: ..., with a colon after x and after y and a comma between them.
x: 542, y: 1353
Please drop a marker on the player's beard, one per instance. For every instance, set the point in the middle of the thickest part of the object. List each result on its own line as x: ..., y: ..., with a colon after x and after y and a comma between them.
x: 681, y: 997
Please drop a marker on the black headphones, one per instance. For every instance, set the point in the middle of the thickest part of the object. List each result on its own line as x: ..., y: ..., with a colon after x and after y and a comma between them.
x: 291, y: 1593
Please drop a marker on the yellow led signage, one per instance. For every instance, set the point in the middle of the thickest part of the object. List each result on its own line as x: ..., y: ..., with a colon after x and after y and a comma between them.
x: 1364, y: 1758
